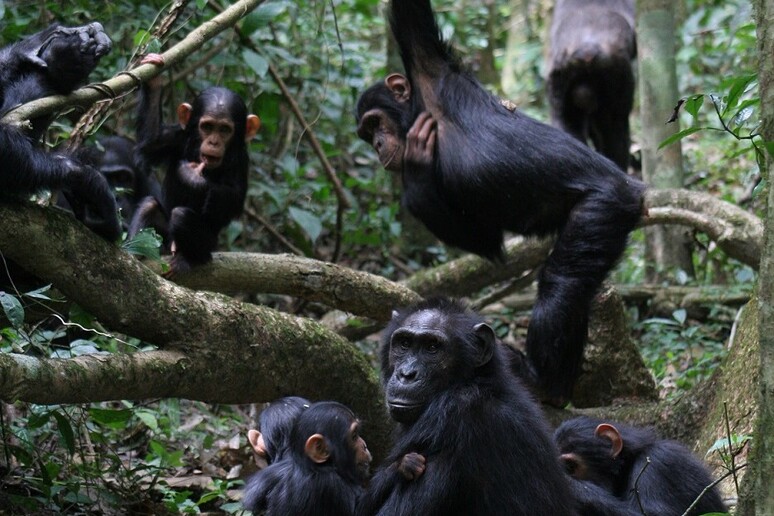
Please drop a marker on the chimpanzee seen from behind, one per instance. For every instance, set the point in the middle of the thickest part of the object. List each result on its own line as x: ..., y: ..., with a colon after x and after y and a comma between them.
x: 644, y: 474
x: 590, y: 74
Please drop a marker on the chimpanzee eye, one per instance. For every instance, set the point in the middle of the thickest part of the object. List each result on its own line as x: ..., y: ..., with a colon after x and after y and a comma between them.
x: 433, y: 346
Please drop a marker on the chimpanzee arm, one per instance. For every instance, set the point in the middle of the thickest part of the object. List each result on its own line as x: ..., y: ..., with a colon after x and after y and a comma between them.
x: 406, y: 468
x: 424, y: 198
x: 224, y: 202
x: 593, y: 500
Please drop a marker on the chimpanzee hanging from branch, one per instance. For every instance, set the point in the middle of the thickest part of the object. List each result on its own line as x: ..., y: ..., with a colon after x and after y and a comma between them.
x: 472, y: 169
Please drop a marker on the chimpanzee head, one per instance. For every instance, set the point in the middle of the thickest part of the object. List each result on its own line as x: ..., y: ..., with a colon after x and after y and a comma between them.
x: 591, y: 450
x: 326, y: 437
x: 217, y: 126
x: 384, y: 115
x: 429, y: 347
x: 275, y: 423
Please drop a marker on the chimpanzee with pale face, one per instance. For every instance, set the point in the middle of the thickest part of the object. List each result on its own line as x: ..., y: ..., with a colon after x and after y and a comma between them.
x: 206, y: 163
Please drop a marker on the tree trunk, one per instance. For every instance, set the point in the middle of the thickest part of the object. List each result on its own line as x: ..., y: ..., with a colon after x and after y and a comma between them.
x: 667, y: 248
x: 759, y: 499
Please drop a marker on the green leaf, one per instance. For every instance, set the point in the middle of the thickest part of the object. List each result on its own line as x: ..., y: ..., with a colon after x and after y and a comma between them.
x: 256, y: 62
x: 693, y: 104
x: 680, y: 315
x: 13, y: 309
x: 149, y: 419
x: 308, y: 221
x: 110, y: 417
x: 65, y: 430
x: 261, y: 17
x: 39, y: 293
x: 737, y: 88
x: 145, y: 243
x: 679, y: 136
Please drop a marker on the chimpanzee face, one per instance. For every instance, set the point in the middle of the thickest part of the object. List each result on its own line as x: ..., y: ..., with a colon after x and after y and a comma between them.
x: 382, y: 132
x: 421, y: 361
x: 360, y: 449
x: 216, y: 133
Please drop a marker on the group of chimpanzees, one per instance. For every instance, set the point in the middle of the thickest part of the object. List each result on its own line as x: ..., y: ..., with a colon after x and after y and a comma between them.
x: 206, y: 158
x: 470, y: 439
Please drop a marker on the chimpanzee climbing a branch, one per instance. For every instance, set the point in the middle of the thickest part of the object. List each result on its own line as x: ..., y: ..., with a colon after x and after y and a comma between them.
x: 472, y: 168
x: 206, y: 164
x: 56, y: 60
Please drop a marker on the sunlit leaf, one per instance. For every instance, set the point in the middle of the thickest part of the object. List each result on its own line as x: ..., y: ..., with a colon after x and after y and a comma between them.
x: 308, y: 221
x: 680, y: 315
x: 693, y: 104
x: 679, y: 136
x: 145, y: 243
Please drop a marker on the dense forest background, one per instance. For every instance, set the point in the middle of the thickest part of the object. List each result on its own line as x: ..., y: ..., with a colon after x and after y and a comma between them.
x: 318, y: 197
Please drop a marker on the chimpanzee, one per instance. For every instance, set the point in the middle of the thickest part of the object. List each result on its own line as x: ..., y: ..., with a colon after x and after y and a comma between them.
x: 488, y: 450
x: 206, y: 164
x: 615, y: 459
x: 113, y: 156
x: 272, y: 441
x: 590, y: 74
x: 494, y: 169
x: 322, y: 474
x: 54, y: 61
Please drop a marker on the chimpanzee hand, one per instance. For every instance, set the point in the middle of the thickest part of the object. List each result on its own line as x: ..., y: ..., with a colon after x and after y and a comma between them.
x: 412, y: 465
x: 90, y: 197
x: 420, y: 143
x: 71, y: 53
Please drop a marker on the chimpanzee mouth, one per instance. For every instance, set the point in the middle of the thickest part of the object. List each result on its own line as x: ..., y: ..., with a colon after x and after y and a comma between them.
x: 404, y: 411
x: 209, y: 160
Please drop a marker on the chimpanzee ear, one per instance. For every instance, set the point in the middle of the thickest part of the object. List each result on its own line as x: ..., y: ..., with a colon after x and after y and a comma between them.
x: 399, y: 85
x: 184, y: 114
x: 253, y: 437
x: 252, y: 126
x: 574, y: 465
x: 611, y: 433
x: 317, y: 449
x: 485, y: 340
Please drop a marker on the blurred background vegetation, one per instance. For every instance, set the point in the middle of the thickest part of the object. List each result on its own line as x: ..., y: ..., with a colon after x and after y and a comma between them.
x: 176, y: 456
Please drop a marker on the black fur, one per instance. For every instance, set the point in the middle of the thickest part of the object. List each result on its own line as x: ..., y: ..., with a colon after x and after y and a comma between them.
x: 497, y: 170
x: 54, y: 61
x: 487, y: 447
x: 667, y: 486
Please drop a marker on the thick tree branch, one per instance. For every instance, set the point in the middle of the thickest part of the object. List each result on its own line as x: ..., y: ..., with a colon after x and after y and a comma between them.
x: 221, y: 350
x: 125, y: 82
x: 737, y: 232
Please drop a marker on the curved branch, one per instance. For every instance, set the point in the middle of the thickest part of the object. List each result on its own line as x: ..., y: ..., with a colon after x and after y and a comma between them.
x: 125, y: 82
x: 737, y: 232
x: 215, y: 348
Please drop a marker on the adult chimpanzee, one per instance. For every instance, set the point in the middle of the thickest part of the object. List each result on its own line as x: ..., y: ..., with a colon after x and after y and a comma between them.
x: 272, y: 441
x: 206, y: 163
x: 322, y: 474
x: 54, y: 61
x: 488, y: 450
x: 495, y: 170
x: 615, y: 459
x: 590, y: 74
x: 113, y: 156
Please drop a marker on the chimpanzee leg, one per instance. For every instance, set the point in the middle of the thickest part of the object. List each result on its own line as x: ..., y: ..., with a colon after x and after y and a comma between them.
x: 586, y: 249
x: 194, y: 240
